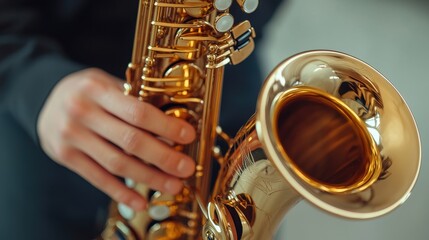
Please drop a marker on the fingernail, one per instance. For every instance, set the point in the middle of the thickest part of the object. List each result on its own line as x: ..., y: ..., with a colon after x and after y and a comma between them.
x: 185, y: 168
x: 172, y: 186
x: 183, y: 133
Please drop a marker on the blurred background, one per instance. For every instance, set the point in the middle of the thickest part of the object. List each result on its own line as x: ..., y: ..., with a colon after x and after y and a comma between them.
x: 393, y: 37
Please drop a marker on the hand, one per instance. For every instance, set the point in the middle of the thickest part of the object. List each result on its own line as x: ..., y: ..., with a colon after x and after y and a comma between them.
x: 88, y: 125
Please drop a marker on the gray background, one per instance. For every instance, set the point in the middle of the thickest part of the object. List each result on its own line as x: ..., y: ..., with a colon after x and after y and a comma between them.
x: 393, y: 37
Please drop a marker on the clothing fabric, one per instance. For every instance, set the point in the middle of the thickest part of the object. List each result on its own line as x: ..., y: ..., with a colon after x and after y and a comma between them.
x: 41, y: 41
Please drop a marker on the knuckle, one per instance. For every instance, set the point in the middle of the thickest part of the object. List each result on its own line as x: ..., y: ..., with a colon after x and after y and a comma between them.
x: 131, y: 141
x: 67, y: 130
x: 76, y: 107
x: 93, y: 71
x: 92, y: 81
x: 137, y: 112
x: 88, y: 84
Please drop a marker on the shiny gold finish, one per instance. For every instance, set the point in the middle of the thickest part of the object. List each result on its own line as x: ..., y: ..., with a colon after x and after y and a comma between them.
x: 328, y: 128
x: 177, y: 65
x: 348, y: 151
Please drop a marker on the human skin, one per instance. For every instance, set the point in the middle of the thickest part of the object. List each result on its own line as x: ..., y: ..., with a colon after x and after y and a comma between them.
x: 88, y: 125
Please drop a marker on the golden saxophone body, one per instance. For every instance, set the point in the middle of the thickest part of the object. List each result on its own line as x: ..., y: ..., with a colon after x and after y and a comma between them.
x: 180, y: 50
x: 328, y: 128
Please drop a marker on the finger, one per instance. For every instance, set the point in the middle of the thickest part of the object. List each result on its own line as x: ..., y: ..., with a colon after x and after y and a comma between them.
x: 146, y: 116
x: 140, y: 144
x: 106, y: 182
x: 121, y: 164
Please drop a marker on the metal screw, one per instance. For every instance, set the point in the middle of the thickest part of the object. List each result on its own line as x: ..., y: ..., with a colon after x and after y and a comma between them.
x: 210, y: 235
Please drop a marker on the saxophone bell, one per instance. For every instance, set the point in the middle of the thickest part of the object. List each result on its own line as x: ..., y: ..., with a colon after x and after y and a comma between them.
x: 328, y: 128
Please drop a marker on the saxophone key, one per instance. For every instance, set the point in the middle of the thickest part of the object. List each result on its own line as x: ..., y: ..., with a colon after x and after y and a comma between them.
x: 222, y: 5
x: 224, y: 22
x: 248, y: 6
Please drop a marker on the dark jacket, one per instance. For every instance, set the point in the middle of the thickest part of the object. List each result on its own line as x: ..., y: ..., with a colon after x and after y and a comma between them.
x: 41, y: 41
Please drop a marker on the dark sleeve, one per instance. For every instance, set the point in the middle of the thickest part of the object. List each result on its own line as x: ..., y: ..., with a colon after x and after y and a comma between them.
x: 30, y: 63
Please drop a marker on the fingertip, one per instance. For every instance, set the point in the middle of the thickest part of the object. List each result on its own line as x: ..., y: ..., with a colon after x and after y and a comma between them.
x: 187, y: 134
x: 186, y: 167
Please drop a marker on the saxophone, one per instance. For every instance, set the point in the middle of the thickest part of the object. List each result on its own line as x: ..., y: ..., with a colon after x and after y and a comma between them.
x: 327, y: 128
x: 180, y: 50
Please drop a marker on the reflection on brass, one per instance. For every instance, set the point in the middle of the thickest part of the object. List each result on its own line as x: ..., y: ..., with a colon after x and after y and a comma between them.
x: 180, y: 50
x: 325, y: 143
x: 328, y: 128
